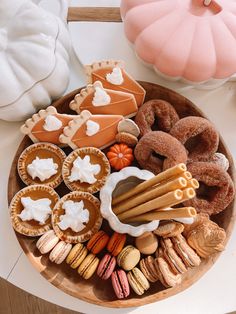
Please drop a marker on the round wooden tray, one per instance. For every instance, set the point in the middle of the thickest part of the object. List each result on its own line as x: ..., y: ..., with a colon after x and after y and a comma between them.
x: 95, y: 291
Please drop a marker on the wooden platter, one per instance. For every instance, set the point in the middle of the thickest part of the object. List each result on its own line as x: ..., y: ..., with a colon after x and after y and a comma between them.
x: 95, y: 291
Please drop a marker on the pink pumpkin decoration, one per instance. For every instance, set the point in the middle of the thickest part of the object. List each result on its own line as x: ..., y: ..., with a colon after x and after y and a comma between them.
x: 194, y: 40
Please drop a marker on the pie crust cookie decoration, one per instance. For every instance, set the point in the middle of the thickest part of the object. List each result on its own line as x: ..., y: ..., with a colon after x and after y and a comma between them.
x: 120, y: 103
x: 46, y: 125
x: 42, y: 151
x: 91, y: 203
x: 75, y: 133
x: 97, y: 157
x: 31, y: 228
x: 102, y: 71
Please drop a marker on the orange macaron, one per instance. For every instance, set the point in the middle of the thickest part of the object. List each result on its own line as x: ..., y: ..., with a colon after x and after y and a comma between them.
x: 98, y: 242
x: 116, y: 243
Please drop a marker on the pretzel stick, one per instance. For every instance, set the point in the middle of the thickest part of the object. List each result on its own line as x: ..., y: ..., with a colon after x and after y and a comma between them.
x: 193, y: 183
x: 163, y: 176
x: 159, y: 202
x: 141, y: 198
x: 183, y: 212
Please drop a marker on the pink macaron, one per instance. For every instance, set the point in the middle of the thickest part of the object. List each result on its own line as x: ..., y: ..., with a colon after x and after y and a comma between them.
x: 120, y: 284
x: 106, y: 266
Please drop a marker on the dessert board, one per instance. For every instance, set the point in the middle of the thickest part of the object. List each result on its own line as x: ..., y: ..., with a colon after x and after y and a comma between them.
x: 93, y: 291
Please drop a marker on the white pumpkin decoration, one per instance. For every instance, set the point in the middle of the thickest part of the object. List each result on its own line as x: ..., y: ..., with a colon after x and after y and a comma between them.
x: 34, y: 57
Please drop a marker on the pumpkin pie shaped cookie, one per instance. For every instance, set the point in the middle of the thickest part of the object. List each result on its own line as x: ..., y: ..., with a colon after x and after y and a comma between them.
x: 31, y: 208
x: 76, y: 217
x: 89, y: 130
x: 98, y: 100
x: 41, y: 163
x: 86, y: 170
x: 113, y: 76
x: 46, y: 125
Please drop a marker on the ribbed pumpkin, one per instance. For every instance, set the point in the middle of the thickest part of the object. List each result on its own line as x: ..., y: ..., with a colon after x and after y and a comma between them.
x: 120, y: 156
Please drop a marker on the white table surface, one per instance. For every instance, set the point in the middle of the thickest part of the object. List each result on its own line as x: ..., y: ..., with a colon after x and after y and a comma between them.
x: 215, y: 292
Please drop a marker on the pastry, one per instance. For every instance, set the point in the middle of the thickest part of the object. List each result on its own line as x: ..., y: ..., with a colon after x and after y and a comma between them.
x: 120, y: 156
x: 187, y: 254
x: 148, y: 268
x: 88, y: 130
x: 86, y: 170
x: 127, y: 138
x: 113, y: 76
x: 116, y: 243
x: 76, y: 255
x: 147, y: 243
x: 128, y: 257
x: 47, y: 242
x: 157, y: 151
x: 216, y: 190
x: 31, y: 208
x: 76, y: 217
x: 138, y: 281
x: 106, y: 267
x: 168, y: 229
x: 129, y: 126
x: 60, y: 252
x: 199, y: 137
x: 88, y: 267
x: 156, y: 115
x: 98, y: 100
x: 221, y: 160
x: 98, y: 242
x: 41, y: 163
x: 46, y: 125
x: 120, y: 284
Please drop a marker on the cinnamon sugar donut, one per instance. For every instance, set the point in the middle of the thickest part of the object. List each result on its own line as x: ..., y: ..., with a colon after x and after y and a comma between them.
x: 153, y: 111
x: 198, y: 135
x: 216, y: 190
x: 157, y: 151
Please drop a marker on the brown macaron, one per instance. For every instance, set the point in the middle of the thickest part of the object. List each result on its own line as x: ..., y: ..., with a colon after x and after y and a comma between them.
x: 148, y: 268
x: 168, y: 229
x: 147, y: 243
x: 166, y: 276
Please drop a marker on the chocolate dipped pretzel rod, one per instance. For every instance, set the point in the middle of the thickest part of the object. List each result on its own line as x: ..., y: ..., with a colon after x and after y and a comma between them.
x: 184, y: 212
x: 163, y: 176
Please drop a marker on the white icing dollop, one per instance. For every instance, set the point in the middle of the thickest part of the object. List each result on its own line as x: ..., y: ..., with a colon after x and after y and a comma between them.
x: 84, y: 171
x: 92, y: 128
x: 75, y: 216
x: 42, y: 168
x: 52, y: 123
x: 38, y: 210
x: 101, y: 98
x: 115, y: 77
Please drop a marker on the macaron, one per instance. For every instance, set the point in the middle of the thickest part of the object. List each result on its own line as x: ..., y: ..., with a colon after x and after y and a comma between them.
x: 98, y: 242
x: 106, y: 266
x: 76, y: 255
x: 138, y: 281
x: 128, y: 257
x: 116, y: 243
x: 47, y: 242
x: 147, y: 243
x: 60, y: 252
x: 148, y: 268
x: 88, y: 267
x: 120, y: 284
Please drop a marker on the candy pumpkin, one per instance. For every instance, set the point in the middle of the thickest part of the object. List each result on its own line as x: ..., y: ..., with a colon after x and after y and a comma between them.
x: 120, y: 156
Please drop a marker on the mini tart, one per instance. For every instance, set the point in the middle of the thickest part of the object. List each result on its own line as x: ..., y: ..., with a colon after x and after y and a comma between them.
x: 31, y: 228
x: 96, y: 157
x: 43, y: 151
x: 93, y: 225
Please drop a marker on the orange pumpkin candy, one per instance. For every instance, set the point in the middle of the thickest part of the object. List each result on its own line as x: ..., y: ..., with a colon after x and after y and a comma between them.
x: 120, y: 156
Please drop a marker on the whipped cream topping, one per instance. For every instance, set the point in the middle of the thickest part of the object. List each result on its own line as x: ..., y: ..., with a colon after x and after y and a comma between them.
x: 38, y: 210
x: 92, y: 128
x: 84, y: 171
x: 101, y: 98
x: 42, y: 168
x: 115, y: 77
x: 75, y: 216
x: 52, y: 123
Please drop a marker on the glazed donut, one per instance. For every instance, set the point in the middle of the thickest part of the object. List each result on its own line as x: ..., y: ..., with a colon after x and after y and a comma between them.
x: 153, y: 110
x: 199, y: 137
x: 157, y: 151
x: 216, y: 190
